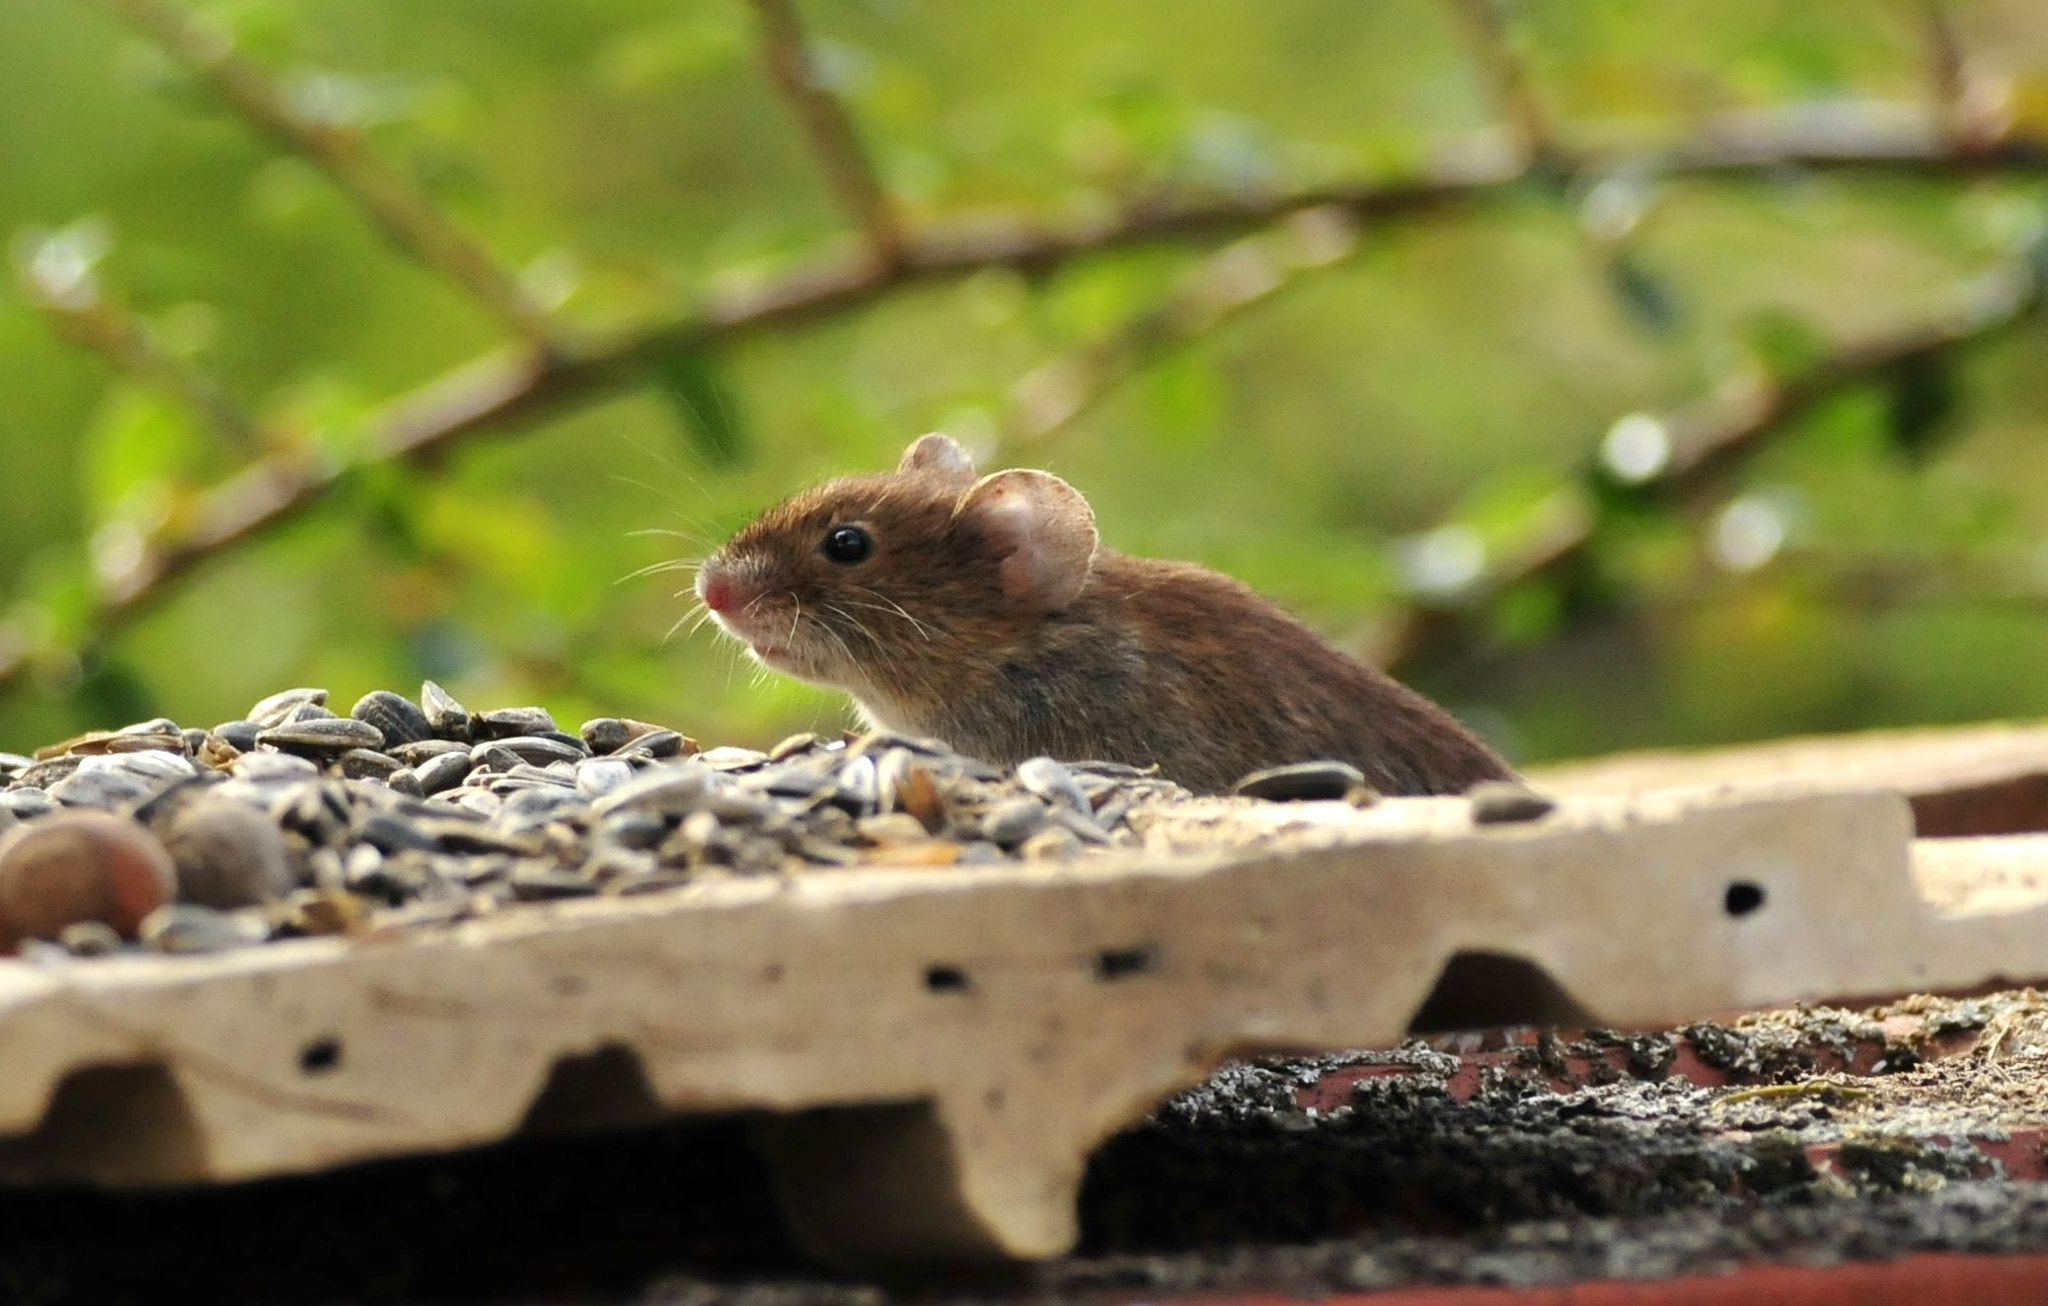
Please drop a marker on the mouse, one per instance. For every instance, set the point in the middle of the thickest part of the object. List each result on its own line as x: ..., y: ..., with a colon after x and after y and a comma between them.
x: 985, y: 612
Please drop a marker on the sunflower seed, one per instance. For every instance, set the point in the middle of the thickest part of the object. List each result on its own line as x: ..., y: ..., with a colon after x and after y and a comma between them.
x: 443, y: 771
x: 422, y: 750
x: 1054, y: 844
x: 187, y: 928
x: 1301, y: 782
x: 672, y: 789
x: 877, y: 741
x: 242, y: 734
x: 90, y: 939
x: 824, y: 852
x: 540, y: 749
x: 598, y: 776
x: 46, y: 773
x: 267, y: 766
x: 273, y: 710
x: 389, y: 834
x: 892, y: 828
x: 27, y: 802
x: 859, y: 785
x: 329, y: 735
x: 541, y: 883
x: 1498, y: 802
x: 400, y: 720
x: 732, y: 759
x: 449, y: 719
x: 508, y: 722
x: 368, y: 764
x: 1081, y: 827
x: 104, y: 790
x: 1012, y: 821
x: 490, y: 757
x: 1052, y: 782
x: 152, y: 766
x: 659, y: 744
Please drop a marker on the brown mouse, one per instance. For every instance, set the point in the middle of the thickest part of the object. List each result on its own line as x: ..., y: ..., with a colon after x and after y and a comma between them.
x: 984, y: 612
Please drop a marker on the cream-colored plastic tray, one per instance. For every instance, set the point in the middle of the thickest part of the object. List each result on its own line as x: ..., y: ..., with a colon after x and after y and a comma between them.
x: 933, y: 1053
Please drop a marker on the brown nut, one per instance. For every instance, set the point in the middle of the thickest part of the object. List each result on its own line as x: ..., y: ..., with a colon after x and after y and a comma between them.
x: 80, y: 866
x: 227, y: 855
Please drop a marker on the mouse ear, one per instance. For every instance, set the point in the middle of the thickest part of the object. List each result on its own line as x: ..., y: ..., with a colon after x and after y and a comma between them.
x: 1042, y: 529
x: 938, y: 455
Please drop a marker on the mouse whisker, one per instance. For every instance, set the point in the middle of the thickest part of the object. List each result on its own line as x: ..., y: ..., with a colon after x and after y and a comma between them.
x: 656, y: 568
x: 702, y: 543
x: 665, y: 493
x: 859, y: 625
x: 703, y: 615
x: 897, y: 608
x: 670, y: 633
x: 840, y: 639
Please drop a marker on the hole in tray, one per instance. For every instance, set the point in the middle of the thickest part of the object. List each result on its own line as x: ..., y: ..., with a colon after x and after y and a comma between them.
x: 116, y: 1125
x: 320, y: 1056
x: 945, y: 979
x: 1121, y: 963
x: 1479, y: 990
x: 604, y: 1088
x: 1742, y: 898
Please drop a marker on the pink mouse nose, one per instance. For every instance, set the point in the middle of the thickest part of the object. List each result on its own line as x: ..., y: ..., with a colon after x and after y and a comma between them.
x: 718, y: 593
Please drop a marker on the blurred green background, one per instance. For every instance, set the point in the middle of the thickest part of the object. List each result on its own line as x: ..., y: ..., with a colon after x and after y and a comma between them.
x: 1357, y: 445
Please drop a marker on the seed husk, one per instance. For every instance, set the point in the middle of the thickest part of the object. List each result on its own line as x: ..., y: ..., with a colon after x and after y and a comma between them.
x: 1501, y: 802
x: 1301, y: 782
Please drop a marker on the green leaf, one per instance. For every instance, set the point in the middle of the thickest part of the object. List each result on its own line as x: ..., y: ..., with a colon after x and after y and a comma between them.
x: 1648, y: 298
x: 1921, y: 398
x: 692, y: 384
x: 1786, y: 345
x: 388, y: 498
x: 136, y: 446
x: 1186, y: 396
x: 673, y: 50
x: 1524, y: 615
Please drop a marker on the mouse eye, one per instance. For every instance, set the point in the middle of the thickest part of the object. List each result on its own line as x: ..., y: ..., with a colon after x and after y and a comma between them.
x: 848, y: 544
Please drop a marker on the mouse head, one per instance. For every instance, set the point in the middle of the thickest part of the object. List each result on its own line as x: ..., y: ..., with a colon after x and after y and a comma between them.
x: 883, y: 585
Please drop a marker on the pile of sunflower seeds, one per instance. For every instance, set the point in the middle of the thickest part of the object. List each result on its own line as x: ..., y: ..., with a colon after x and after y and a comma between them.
x: 299, y: 820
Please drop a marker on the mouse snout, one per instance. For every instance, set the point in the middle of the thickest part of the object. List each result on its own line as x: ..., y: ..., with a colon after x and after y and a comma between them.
x: 718, y: 592
x: 726, y: 589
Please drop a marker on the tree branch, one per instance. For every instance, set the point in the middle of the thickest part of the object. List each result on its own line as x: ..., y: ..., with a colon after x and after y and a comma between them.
x: 828, y: 127
x: 522, y: 385
x: 406, y: 218
x: 1686, y: 458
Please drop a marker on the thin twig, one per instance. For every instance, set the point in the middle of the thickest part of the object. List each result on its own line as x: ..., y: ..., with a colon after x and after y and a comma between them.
x: 1965, y: 111
x: 520, y: 386
x: 1948, y: 72
x: 393, y: 205
x: 1506, y: 79
x: 1703, y: 446
x: 828, y: 126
